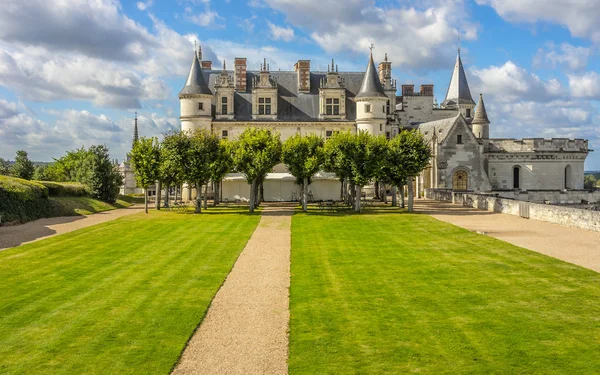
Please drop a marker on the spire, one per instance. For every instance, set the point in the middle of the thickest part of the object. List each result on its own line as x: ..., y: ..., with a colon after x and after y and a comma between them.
x: 135, y: 129
x: 481, y: 116
x: 371, y: 86
x: 458, y: 90
x: 224, y: 65
x: 195, y: 83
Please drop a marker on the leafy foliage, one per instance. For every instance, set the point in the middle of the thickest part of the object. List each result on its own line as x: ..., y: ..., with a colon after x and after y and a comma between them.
x: 337, y: 154
x: 223, y: 162
x: 173, y: 158
x: 590, y: 181
x: 145, y: 161
x: 65, y: 189
x: 23, y: 167
x: 4, y: 167
x: 101, y: 177
x: 303, y: 156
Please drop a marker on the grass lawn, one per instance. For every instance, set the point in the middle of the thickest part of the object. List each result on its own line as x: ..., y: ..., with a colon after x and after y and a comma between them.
x: 400, y: 293
x: 121, y: 297
x: 72, y: 206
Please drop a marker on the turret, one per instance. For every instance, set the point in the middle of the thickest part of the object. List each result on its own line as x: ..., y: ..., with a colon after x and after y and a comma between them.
x: 196, y: 99
x: 371, y: 102
x: 459, y: 96
x: 481, y: 123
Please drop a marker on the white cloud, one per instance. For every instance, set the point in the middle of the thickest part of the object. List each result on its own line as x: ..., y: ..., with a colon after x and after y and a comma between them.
x: 281, y: 33
x: 579, y: 16
x: 141, y: 5
x: 206, y: 18
x: 573, y: 57
x: 586, y: 85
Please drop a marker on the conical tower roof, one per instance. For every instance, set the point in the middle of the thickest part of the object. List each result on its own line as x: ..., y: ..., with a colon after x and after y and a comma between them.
x: 481, y: 116
x: 458, y: 90
x: 195, y: 82
x: 370, y: 86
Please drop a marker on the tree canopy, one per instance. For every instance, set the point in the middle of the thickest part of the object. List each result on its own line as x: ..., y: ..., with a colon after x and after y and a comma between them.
x: 144, y: 159
x: 22, y: 167
x: 304, y: 157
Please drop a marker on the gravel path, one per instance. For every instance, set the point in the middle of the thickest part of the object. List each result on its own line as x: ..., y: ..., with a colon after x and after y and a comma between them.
x: 15, y: 235
x: 245, y: 330
x: 573, y: 245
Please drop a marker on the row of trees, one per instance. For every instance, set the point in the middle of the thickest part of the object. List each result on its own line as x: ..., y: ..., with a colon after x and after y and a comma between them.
x: 356, y: 159
x: 21, y: 168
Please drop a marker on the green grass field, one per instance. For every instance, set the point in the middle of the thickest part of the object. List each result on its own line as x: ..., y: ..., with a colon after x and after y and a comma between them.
x: 72, y: 206
x: 399, y: 293
x: 121, y: 297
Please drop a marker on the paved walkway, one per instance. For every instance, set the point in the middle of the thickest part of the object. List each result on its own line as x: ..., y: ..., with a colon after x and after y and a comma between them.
x: 245, y: 328
x: 15, y: 235
x: 573, y: 245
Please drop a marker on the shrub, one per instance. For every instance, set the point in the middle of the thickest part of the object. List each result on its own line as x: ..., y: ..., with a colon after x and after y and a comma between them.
x: 65, y: 189
x: 22, y: 200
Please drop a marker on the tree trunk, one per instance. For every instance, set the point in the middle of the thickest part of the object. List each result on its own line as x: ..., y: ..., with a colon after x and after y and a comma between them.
x: 252, y: 195
x: 305, y: 194
x: 146, y: 200
x: 357, y: 208
x: 261, y: 195
x: 394, y: 196
x: 342, y: 189
x: 206, y: 196
x: 166, y: 204
x: 158, y: 188
x: 402, y: 196
x: 411, y: 195
x: 198, y: 198
x: 351, y: 193
x: 216, y: 189
x: 377, y: 188
x: 384, y: 193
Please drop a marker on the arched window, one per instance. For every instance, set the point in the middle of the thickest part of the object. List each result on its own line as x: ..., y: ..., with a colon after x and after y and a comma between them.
x: 460, y: 180
x: 568, y: 177
x: 516, y: 177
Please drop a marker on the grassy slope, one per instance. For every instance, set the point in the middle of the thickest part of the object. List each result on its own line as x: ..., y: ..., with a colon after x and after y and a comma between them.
x: 406, y: 293
x: 121, y: 297
x: 72, y: 206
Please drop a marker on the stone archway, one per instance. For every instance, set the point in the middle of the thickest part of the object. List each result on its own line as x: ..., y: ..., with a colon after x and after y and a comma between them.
x: 460, y: 180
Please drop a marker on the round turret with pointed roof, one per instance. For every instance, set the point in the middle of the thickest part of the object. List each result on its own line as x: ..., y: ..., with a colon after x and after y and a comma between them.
x: 195, y: 83
x: 371, y: 86
x: 481, y: 116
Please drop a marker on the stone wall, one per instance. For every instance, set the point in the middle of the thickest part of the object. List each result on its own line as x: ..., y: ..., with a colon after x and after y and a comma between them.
x: 567, y: 216
x: 552, y: 196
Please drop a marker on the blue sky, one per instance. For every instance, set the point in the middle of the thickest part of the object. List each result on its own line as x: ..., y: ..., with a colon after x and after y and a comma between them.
x: 73, y: 72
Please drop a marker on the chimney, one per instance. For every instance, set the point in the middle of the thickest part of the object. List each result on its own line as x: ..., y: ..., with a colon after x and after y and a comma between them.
x: 427, y: 90
x: 408, y: 90
x: 385, y: 70
x: 207, y: 64
x: 239, y: 73
x: 302, y: 67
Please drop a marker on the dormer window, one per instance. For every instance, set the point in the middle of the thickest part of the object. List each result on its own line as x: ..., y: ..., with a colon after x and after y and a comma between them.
x: 200, y: 106
x: 332, y: 106
x: 264, y: 106
x: 224, y: 105
x: 367, y: 108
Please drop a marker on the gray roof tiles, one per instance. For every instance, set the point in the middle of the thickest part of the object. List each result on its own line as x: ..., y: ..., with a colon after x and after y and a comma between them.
x: 371, y: 86
x: 458, y: 90
x: 195, y: 83
x: 439, y: 128
x: 481, y: 116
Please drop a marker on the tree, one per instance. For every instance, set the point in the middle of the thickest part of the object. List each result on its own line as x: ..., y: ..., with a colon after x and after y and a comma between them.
x: 145, y: 162
x: 304, y: 157
x: 23, y: 167
x: 255, y: 153
x: 220, y: 166
x: 337, y: 151
x: 4, y: 167
x: 589, y: 181
x: 393, y: 167
x: 203, y: 150
x: 98, y: 173
x: 365, y: 160
x: 413, y: 155
x: 173, y: 160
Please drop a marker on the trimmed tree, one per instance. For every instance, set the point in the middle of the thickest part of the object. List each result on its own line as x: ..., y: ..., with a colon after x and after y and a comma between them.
x: 304, y: 157
x: 337, y: 152
x: 255, y: 153
x: 203, y: 150
x: 222, y: 165
x: 393, y: 168
x: 414, y: 155
x: 23, y: 167
x: 173, y: 160
x: 145, y: 162
x: 366, y: 161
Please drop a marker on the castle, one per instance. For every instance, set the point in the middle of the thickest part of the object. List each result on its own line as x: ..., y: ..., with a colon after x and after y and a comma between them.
x: 465, y: 158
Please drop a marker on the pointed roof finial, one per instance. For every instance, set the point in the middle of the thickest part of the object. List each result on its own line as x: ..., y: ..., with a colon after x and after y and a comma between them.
x: 459, y: 45
x: 199, y: 52
x: 332, y: 64
x: 265, y: 64
x: 371, y: 48
x: 386, y: 57
x: 135, y: 129
x: 336, y: 68
x: 224, y: 65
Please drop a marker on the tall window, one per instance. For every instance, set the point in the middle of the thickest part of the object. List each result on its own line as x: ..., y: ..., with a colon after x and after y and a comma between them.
x: 468, y: 112
x: 387, y: 108
x: 516, y: 178
x: 264, y: 106
x: 201, y: 106
x: 224, y: 134
x: 367, y: 108
x: 459, y: 139
x: 224, y: 105
x: 332, y: 106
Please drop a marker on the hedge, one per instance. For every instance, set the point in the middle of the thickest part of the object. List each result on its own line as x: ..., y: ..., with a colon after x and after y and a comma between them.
x: 64, y: 189
x: 22, y: 200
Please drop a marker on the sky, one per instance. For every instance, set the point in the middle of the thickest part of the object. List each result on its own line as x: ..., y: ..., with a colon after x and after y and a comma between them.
x: 73, y: 72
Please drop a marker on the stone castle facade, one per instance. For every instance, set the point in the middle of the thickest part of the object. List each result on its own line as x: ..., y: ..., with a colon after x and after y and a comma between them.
x: 465, y: 158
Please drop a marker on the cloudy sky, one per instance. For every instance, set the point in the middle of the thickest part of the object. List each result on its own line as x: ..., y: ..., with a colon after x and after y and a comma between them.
x: 73, y: 72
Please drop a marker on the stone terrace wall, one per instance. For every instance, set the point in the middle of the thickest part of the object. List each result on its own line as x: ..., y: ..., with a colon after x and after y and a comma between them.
x: 572, y: 217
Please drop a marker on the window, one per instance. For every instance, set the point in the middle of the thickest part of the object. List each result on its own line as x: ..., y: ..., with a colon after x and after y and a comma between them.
x: 332, y: 106
x: 387, y: 135
x: 328, y: 134
x: 383, y: 108
x: 264, y: 106
x: 367, y: 108
x: 380, y: 127
x: 224, y: 134
x: 468, y: 112
x: 201, y: 106
x: 387, y: 108
x: 224, y: 105
x: 516, y: 178
x: 459, y: 139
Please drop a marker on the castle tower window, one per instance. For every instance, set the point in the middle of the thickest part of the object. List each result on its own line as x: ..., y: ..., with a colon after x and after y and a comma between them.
x: 332, y: 106
x: 468, y: 112
x: 224, y: 134
x: 459, y: 139
x: 224, y: 105
x: 387, y: 108
x: 367, y: 108
x: 516, y: 178
x: 328, y: 134
x: 264, y: 106
x: 201, y: 106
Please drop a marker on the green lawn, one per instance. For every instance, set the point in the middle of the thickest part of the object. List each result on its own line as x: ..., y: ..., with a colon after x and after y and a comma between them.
x: 121, y: 297
x: 73, y: 206
x: 400, y: 293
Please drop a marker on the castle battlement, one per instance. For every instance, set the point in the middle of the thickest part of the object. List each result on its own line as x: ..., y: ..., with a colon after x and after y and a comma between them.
x: 537, y: 145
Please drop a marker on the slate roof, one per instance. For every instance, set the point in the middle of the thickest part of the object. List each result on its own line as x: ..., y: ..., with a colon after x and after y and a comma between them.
x: 458, y: 90
x: 440, y: 128
x: 195, y: 83
x: 371, y: 86
x: 292, y: 105
x: 481, y: 116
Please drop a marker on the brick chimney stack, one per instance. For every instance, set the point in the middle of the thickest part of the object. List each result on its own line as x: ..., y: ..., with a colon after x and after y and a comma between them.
x: 408, y: 90
x: 302, y: 67
x: 427, y: 90
x: 239, y: 73
x: 385, y: 70
x: 207, y: 64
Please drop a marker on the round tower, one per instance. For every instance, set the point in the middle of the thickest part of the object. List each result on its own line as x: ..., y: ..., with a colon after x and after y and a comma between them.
x: 195, y: 99
x: 371, y: 101
x: 481, y: 124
